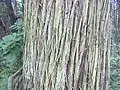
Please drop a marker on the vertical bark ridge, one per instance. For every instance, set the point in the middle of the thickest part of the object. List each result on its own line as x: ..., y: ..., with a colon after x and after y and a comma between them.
x: 66, y: 44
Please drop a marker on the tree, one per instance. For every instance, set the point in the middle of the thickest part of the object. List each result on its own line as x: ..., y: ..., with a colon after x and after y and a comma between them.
x: 7, y: 16
x: 66, y: 44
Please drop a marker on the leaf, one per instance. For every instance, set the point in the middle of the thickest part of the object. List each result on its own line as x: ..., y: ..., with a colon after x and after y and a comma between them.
x: 8, y: 38
x: 10, y: 57
x: 5, y: 46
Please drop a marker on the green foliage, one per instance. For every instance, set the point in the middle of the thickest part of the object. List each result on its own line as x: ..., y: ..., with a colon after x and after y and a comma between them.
x: 19, y: 8
x: 11, y: 48
x: 17, y: 27
x: 115, y: 72
x: 10, y: 53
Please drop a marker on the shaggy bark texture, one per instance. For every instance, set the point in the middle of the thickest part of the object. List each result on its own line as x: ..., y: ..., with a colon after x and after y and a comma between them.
x: 66, y: 44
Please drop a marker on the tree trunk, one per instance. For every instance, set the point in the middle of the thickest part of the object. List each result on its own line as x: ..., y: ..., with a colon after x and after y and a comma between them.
x: 66, y: 44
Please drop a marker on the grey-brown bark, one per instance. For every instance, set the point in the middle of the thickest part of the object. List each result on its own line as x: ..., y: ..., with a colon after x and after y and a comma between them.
x: 66, y: 44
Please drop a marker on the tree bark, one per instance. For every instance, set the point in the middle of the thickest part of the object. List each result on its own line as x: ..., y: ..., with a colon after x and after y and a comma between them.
x: 66, y: 44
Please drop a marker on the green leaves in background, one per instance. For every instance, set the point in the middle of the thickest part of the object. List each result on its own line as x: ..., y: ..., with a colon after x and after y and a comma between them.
x: 11, y: 48
x: 10, y: 51
x: 115, y: 73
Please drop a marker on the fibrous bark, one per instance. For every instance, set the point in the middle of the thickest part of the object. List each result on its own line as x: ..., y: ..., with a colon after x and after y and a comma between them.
x: 66, y: 44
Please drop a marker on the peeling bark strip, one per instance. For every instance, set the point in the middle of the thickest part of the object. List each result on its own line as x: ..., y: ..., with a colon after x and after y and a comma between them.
x: 15, y: 81
x: 66, y: 44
